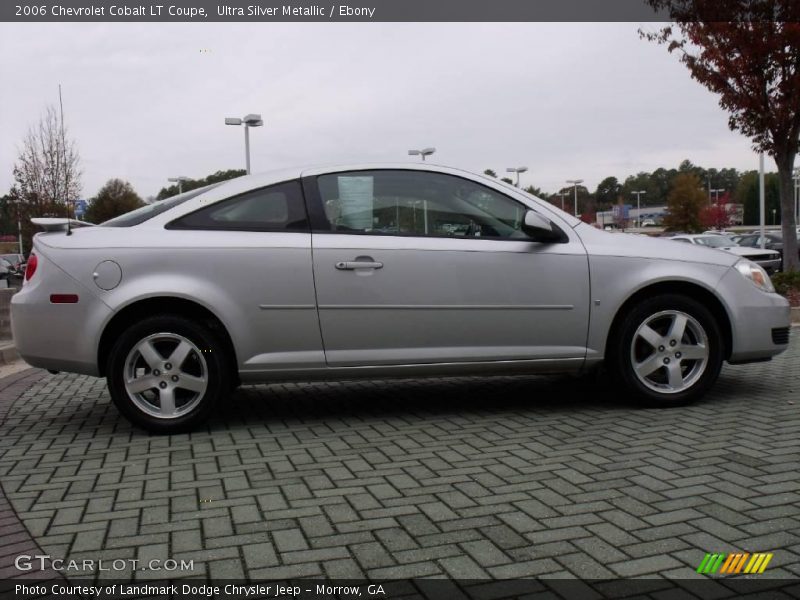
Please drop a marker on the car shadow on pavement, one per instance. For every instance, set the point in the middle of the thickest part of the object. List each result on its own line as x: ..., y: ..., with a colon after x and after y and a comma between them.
x: 440, y: 396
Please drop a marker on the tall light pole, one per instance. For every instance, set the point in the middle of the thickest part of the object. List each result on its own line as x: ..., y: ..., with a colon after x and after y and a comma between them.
x: 251, y: 120
x: 19, y: 224
x: 639, y: 206
x: 516, y: 170
x: 179, y: 181
x: 575, y: 182
x: 796, y: 178
x: 422, y: 153
x: 761, y: 200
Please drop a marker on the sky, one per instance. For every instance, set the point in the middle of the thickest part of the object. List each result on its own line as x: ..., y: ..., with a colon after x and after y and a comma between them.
x: 147, y: 101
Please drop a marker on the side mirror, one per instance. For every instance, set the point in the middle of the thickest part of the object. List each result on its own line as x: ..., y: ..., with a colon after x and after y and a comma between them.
x: 542, y: 229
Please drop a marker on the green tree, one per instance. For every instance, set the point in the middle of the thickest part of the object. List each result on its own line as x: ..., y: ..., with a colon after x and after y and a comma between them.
x: 746, y: 194
x: 115, y: 198
x: 536, y: 191
x: 193, y: 184
x: 724, y: 179
x: 641, y: 182
x: 685, y: 202
x: 659, y: 183
x: 608, y: 191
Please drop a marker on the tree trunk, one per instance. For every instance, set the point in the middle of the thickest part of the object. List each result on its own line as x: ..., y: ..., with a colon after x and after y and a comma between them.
x: 788, y: 223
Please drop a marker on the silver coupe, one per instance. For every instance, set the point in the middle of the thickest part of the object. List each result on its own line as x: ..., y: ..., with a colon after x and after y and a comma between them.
x: 373, y: 271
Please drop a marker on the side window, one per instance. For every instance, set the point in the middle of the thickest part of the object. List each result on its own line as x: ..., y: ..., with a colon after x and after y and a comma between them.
x: 417, y: 203
x: 276, y: 208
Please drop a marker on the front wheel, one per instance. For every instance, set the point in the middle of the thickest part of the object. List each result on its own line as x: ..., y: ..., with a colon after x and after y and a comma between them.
x: 668, y: 350
x: 166, y: 373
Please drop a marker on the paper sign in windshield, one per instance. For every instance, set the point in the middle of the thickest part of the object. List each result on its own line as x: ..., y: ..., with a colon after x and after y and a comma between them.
x: 356, y: 200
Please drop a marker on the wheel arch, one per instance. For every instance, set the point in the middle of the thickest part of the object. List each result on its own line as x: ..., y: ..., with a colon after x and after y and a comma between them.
x: 686, y: 288
x: 146, y: 307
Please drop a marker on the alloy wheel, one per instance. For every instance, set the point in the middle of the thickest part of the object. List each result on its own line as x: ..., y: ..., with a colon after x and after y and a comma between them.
x: 166, y: 375
x: 669, y: 351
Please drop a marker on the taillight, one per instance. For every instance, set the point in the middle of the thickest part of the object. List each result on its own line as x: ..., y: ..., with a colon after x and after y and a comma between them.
x: 30, y: 269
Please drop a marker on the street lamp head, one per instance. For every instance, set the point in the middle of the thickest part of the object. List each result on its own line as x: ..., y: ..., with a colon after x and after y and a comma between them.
x: 253, y: 120
x: 574, y: 181
x: 423, y: 153
x: 177, y: 179
x: 232, y: 121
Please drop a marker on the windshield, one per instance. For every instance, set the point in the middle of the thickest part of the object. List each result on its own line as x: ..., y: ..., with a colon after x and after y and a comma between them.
x: 715, y: 241
x: 140, y: 215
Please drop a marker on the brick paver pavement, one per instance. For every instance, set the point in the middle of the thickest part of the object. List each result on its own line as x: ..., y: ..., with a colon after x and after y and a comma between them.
x: 469, y: 478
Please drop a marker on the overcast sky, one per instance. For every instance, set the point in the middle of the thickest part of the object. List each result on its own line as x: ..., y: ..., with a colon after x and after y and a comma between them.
x: 145, y: 102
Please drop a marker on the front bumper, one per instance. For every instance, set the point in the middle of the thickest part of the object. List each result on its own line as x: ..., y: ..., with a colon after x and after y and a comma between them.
x: 770, y: 266
x: 754, y: 315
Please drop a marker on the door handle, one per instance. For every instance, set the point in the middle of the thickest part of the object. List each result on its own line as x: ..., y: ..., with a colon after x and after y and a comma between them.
x: 351, y: 265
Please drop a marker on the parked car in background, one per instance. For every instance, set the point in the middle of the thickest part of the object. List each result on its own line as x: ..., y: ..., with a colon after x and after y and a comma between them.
x: 7, y: 273
x: 404, y: 270
x: 16, y: 260
x: 773, y: 240
x: 769, y: 260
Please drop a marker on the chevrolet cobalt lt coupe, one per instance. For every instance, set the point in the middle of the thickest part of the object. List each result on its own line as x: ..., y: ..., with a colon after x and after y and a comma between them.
x: 372, y: 272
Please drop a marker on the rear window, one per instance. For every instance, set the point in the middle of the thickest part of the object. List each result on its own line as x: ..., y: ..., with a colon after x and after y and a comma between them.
x: 278, y: 207
x: 140, y: 215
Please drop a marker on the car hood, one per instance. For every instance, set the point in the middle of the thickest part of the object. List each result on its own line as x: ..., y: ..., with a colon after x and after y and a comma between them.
x: 604, y: 243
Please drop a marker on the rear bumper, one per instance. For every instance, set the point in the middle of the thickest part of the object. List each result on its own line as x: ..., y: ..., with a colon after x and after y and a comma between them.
x: 56, y: 336
x: 59, y: 337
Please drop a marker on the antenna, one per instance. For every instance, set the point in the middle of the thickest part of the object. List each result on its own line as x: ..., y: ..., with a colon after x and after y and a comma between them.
x: 62, y: 149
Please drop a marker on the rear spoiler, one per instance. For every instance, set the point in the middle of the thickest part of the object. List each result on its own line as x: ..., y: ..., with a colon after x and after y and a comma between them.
x: 59, y: 223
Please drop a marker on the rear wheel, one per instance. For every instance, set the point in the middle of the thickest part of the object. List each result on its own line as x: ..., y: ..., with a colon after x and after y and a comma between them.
x: 166, y: 373
x: 668, y: 350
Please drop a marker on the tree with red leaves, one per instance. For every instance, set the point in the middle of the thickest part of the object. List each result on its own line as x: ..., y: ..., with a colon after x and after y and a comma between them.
x: 715, y: 216
x: 747, y: 52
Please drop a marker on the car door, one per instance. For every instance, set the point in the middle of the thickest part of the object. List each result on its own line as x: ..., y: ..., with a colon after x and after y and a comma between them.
x: 415, y: 267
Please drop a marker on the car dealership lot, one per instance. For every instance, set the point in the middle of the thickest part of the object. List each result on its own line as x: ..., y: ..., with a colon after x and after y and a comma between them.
x: 471, y: 478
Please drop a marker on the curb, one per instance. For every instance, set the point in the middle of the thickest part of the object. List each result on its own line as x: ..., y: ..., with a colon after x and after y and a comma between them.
x: 8, y: 353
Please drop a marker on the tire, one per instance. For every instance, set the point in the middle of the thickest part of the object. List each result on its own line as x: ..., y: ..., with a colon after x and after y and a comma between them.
x: 156, y: 394
x: 663, y: 370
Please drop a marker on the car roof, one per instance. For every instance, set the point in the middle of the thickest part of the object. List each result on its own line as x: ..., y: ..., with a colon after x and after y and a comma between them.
x: 246, y: 183
x: 257, y: 180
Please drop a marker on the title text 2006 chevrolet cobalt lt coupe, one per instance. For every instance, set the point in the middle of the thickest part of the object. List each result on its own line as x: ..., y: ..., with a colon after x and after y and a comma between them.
x: 378, y: 271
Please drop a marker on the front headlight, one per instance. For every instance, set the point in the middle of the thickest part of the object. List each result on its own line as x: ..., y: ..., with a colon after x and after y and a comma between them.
x: 756, y: 274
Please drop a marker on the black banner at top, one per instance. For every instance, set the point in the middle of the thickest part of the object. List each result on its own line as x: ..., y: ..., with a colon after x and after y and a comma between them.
x: 327, y: 10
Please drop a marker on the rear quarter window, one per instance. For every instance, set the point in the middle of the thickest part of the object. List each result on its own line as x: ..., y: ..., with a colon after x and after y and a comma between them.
x: 278, y: 207
x: 145, y: 213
